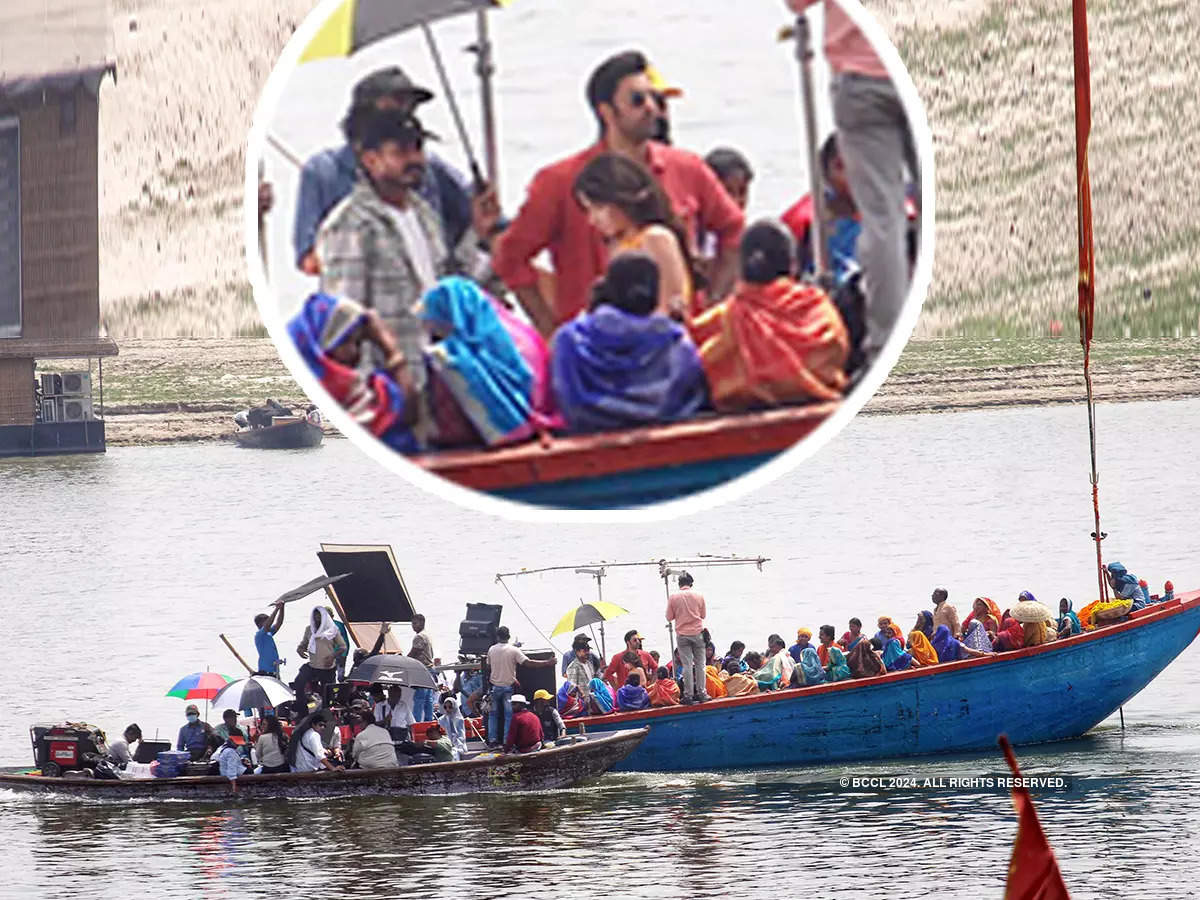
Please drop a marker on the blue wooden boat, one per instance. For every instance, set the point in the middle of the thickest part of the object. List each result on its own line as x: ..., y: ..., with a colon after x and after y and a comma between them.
x: 1053, y: 692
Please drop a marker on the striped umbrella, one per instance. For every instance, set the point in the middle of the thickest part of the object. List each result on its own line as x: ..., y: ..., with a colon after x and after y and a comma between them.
x: 199, y: 686
x: 357, y: 23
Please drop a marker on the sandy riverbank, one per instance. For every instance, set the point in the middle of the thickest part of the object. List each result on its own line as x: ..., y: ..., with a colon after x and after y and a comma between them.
x: 160, y: 391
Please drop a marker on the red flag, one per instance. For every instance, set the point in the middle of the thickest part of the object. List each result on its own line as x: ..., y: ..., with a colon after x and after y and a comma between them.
x: 1083, y: 129
x: 1033, y: 871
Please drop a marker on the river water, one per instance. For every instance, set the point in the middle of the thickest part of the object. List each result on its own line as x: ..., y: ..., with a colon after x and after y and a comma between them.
x: 118, y: 572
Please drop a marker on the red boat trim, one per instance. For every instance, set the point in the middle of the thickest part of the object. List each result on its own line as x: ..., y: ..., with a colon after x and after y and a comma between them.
x: 1154, y: 613
x: 609, y: 453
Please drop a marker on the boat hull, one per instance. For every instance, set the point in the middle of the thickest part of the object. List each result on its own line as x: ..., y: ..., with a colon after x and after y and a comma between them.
x: 547, y: 769
x: 291, y: 436
x: 1054, y: 692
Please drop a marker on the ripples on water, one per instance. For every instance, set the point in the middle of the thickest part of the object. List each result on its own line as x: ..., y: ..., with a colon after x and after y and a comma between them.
x: 118, y: 572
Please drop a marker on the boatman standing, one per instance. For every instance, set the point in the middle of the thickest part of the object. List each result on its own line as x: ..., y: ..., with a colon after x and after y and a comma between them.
x: 686, y: 610
x: 264, y: 640
x: 944, y: 613
x: 503, y: 659
x: 422, y: 652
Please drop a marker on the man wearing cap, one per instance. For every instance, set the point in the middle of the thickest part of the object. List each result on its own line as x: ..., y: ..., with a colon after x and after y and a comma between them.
x: 383, y: 246
x: 193, y: 737
x: 621, y: 96
x: 581, y: 640
x: 553, y: 727
x: 525, y: 735
x: 329, y: 175
x: 664, y: 92
x: 686, y: 609
x: 622, y: 663
x: 503, y: 659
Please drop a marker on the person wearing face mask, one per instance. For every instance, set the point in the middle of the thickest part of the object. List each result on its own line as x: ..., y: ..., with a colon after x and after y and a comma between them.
x: 193, y: 737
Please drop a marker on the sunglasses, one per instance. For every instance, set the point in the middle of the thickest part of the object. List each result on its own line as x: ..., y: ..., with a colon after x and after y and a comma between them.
x: 638, y: 99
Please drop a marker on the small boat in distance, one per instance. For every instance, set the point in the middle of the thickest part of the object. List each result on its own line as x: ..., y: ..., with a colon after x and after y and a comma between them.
x: 275, y: 427
x: 554, y: 767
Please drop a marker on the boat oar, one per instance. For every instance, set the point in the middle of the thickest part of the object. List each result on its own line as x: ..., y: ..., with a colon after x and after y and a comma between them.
x: 455, y: 113
x: 236, y: 654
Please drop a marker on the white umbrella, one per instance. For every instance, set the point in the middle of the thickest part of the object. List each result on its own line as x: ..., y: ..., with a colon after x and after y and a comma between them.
x: 255, y: 692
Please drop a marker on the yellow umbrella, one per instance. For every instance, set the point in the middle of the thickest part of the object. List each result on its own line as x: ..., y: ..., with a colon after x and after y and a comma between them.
x: 586, y: 614
x: 357, y: 23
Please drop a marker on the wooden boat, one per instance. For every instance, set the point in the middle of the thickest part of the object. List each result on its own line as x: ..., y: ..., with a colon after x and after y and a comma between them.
x: 633, y: 466
x: 1054, y: 692
x: 293, y: 434
x: 546, y: 769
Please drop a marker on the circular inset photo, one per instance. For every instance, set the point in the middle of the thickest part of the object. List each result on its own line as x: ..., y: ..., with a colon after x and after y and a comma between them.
x: 589, y: 256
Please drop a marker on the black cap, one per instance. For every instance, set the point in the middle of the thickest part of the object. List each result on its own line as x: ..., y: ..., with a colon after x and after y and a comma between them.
x: 388, y: 83
x: 392, y: 126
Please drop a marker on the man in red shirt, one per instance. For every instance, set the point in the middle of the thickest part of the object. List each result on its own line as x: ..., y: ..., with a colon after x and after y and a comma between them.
x: 525, y: 734
x: 618, y: 669
x: 621, y: 95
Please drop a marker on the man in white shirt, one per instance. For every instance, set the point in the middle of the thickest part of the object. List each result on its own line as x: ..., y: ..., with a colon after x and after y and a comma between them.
x: 306, y: 753
x: 120, y: 751
x: 503, y: 659
x: 397, y: 713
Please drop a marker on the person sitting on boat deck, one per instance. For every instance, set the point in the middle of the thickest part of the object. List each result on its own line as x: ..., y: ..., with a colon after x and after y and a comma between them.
x: 984, y: 611
x: 825, y: 635
x: 864, y: 662
x: 736, y: 680
x: 838, y: 668
x: 632, y: 695
x: 713, y: 685
x: 571, y: 701
x: 632, y: 657
x: 1068, y: 621
x: 944, y: 613
x: 119, y: 750
x: 225, y: 758
x: 229, y: 730
x: 809, y: 669
x: 526, y: 734
x: 734, y: 172
x: 264, y: 639
x: 950, y: 649
x: 454, y: 724
x: 852, y: 636
x: 601, y: 698
x: 373, y: 747
x: 976, y: 637
x: 921, y: 649
x: 885, y: 631
x: 503, y: 659
x: 193, y: 736
x: 329, y: 175
x: 470, y: 690
x: 686, y: 609
x: 582, y: 669
x: 631, y: 212
x: 664, y: 690
x: 620, y: 94
x: 803, y: 642
x: 736, y: 649
x: 1011, y: 635
x: 620, y: 365
x: 776, y: 340
x: 331, y: 738
x: 924, y: 623
x: 321, y: 647
x: 271, y: 747
x: 382, y: 246
x: 553, y: 728
x: 895, y: 659
x: 779, y: 665
x: 1125, y: 585
x: 398, y: 717
x: 438, y: 743
x: 305, y: 752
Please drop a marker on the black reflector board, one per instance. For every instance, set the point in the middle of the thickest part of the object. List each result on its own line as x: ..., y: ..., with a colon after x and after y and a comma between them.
x: 374, y: 590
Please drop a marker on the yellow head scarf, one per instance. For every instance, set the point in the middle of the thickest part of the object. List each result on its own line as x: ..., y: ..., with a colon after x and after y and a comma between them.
x: 921, y: 649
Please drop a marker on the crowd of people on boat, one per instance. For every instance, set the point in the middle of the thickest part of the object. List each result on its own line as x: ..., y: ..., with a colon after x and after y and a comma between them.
x: 661, y: 303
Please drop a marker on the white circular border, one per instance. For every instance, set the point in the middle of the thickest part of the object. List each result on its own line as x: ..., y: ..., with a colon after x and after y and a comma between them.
x: 734, y: 489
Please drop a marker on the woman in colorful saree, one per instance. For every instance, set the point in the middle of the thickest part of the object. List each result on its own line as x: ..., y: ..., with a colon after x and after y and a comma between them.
x: 922, y: 651
x: 864, y: 662
x: 1068, y: 622
x: 811, y: 670
x: 894, y: 657
x: 976, y: 637
x: 600, y: 697
x: 330, y: 332
x: 570, y: 701
x: 949, y: 648
x: 838, y: 669
x: 619, y: 364
x: 985, y: 611
x: 1011, y: 635
x: 665, y: 690
x: 776, y: 340
x: 924, y: 623
x: 736, y: 682
x: 475, y: 357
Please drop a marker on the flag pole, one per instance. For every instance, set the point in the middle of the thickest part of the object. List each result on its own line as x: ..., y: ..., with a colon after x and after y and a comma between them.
x: 1087, y: 261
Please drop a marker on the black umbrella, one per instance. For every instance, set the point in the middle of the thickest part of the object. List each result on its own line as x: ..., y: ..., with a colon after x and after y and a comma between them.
x: 390, y: 668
